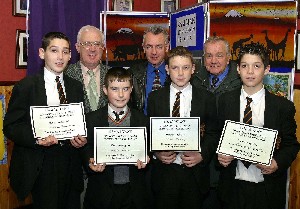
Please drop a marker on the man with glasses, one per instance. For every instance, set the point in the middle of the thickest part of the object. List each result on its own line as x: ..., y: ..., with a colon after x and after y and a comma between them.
x: 218, y: 75
x: 150, y: 75
x: 89, y: 70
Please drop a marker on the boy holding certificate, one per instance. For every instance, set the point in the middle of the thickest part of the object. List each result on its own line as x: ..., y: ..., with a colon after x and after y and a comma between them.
x: 117, y: 186
x: 49, y: 169
x: 244, y: 185
x: 181, y: 179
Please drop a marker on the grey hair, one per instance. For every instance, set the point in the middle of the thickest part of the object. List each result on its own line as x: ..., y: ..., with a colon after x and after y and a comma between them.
x: 88, y: 28
x: 214, y: 39
x: 156, y: 29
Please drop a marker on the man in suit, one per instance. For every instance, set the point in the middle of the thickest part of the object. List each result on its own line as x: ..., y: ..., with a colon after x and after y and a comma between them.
x: 180, y: 180
x: 89, y: 70
x: 156, y: 45
x: 218, y: 75
x: 115, y: 186
x: 48, y: 169
x: 257, y: 186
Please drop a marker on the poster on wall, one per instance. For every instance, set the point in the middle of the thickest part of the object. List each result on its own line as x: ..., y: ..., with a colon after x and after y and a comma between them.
x: 273, y: 25
x: 188, y: 29
x: 3, y: 140
x: 124, y: 35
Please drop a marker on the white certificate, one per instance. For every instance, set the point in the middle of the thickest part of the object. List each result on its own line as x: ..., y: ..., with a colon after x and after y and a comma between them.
x: 120, y: 145
x: 175, y: 134
x: 247, y: 142
x: 64, y: 121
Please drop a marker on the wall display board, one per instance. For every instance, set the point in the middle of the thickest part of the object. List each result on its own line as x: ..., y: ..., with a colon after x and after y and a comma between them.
x: 124, y: 35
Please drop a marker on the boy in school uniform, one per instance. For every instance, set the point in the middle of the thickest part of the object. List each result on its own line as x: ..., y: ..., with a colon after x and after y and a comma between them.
x: 115, y: 186
x: 257, y: 186
x: 48, y: 169
x: 180, y: 180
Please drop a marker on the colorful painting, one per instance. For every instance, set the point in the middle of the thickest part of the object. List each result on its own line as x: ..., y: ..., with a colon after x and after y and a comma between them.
x: 278, y: 83
x: 124, y: 35
x: 273, y: 24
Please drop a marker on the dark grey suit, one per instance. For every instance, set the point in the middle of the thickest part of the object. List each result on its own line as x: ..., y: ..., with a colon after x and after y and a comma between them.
x: 279, y: 115
x: 27, y: 161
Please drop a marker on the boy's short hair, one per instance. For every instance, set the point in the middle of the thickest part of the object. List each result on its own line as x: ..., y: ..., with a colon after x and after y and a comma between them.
x: 117, y: 73
x: 53, y: 35
x: 180, y: 51
x: 255, y: 49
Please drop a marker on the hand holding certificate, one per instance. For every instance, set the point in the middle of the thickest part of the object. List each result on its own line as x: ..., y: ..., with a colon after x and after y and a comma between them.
x: 247, y: 142
x: 63, y: 122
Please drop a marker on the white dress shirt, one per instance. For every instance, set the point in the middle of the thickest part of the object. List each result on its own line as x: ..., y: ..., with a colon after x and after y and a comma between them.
x: 185, y: 107
x: 252, y: 174
x: 51, y: 87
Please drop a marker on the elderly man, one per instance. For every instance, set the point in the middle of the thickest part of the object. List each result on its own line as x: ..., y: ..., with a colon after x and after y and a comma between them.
x: 89, y: 70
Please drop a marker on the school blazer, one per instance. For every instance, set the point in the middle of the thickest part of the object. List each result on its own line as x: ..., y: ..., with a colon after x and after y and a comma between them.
x: 100, y: 186
x: 27, y: 157
x: 204, y: 106
x: 279, y: 115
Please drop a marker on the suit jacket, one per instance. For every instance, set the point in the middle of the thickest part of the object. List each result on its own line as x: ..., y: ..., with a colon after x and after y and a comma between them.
x: 75, y: 72
x: 203, y: 106
x: 100, y: 187
x: 279, y: 115
x: 27, y: 157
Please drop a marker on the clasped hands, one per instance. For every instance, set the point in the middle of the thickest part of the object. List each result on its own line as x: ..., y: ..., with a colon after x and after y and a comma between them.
x: 225, y: 160
x: 99, y: 167
x: 77, y: 142
x: 189, y: 159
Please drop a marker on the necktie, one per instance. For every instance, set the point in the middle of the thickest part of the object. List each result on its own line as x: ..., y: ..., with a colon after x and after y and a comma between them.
x: 118, y: 115
x: 214, y: 81
x: 247, y: 119
x: 61, y: 94
x: 176, y: 106
x: 92, y: 91
x: 156, y: 82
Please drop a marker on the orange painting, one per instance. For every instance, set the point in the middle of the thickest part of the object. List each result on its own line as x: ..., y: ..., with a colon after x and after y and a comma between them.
x: 273, y: 24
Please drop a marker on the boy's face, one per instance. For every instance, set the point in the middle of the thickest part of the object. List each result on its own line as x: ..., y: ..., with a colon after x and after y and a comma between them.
x: 118, y: 94
x: 252, y: 72
x: 180, y: 70
x: 56, y: 56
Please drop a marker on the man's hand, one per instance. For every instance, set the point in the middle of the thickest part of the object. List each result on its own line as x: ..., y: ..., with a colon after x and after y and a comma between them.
x: 166, y: 157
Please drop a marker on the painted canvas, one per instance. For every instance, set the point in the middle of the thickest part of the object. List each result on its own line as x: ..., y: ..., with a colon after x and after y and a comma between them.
x: 124, y: 35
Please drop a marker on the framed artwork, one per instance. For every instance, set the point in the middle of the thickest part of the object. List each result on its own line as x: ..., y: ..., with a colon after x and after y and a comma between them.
x: 298, y: 52
x: 124, y: 35
x: 169, y: 5
x: 20, y: 7
x: 122, y: 5
x: 21, y: 49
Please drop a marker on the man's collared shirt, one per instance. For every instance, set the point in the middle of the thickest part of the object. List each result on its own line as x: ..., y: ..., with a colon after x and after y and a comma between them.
x: 221, y: 77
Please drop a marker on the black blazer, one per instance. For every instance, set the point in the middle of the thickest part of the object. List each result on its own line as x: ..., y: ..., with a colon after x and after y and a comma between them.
x: 279, y: 115
x: 203, y: 106
x: 27, y: 157
x: 99, y: 191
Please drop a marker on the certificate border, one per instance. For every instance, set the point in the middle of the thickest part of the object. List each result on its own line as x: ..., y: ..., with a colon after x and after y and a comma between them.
x: 240, y: 158
x: 180, y: 118
x: 119, y: 163
x: 63, y: 138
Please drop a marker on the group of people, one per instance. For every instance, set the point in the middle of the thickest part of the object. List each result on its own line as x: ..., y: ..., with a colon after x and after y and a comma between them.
x: 52, y: 170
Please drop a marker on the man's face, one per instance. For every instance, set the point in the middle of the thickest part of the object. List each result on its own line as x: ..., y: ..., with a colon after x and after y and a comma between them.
x: 180, y: 70
x: 56, y: 55
x: 216, y: 59
x: 90, y: 48
x: 118, y: 94
x: 155, y: 48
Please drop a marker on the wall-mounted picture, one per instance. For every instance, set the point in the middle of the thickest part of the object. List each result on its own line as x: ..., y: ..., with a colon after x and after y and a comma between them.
x: 20, y: 7
x: 21, y: 49
x: 298, y: 52
x: 169, y: 5
x: 122, y: 5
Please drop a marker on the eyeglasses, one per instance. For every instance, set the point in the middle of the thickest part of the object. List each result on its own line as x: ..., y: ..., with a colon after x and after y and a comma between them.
x: 89, y: 44
x: 217, y: 56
